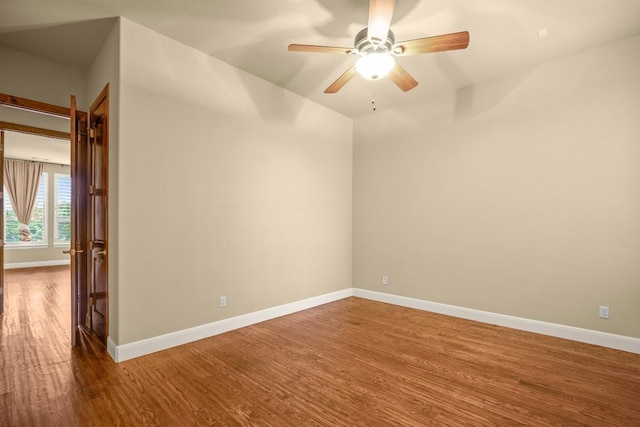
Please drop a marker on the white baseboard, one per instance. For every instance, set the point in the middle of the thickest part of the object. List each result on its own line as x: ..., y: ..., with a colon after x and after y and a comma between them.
x: 120, y: 353
x: 618, y: 342
x: 31, y: 264
x: 112, y: 349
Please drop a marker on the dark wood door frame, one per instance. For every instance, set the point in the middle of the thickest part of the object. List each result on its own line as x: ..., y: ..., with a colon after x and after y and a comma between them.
x: 98, y: 174
x: 32, y: 130
x: 35, y: 106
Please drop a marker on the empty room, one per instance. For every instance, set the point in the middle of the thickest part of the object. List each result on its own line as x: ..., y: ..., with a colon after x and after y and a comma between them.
x: 320, y: 212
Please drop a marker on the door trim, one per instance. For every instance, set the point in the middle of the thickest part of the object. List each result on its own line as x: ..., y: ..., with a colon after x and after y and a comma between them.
x: 32, y: 130
x: 101, y: 103
x: 34, y: 106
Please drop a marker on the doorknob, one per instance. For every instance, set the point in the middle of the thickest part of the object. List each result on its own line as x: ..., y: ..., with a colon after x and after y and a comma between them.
x: 73, y: 252
x: 102, y: 252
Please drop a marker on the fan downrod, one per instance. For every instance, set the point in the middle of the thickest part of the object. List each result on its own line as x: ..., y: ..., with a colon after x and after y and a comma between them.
x: 364, y: 45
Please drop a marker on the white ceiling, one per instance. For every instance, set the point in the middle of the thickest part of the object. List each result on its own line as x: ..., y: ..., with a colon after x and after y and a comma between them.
x: 21, y: 146
x: 30, y: 147
x: 253, y: 35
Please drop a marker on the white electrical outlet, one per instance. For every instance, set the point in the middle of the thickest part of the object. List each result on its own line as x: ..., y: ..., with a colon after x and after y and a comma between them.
x: 604, y: 312
x: 223, y: 301
x: 385, y: 280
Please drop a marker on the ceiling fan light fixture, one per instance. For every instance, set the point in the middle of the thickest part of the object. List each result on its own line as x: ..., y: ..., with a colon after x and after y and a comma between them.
x: 375, y: 65
x: 376, y: 47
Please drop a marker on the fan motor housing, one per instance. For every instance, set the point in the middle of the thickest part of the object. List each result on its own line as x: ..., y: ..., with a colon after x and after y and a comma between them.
x: 365, y: 46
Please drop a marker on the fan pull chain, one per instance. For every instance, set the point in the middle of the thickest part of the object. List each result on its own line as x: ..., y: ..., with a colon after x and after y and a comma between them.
x: 373, y: 100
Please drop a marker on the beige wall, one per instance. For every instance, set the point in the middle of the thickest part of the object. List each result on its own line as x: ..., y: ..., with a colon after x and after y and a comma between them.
x: 519, y: 196
x: 35, y: 78
x: 516, y: 196
x: 31, y: 77
x: 229, y: 185
x: 106, y: 69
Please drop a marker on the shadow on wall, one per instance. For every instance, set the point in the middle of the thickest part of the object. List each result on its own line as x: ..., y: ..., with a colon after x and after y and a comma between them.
x: 272, y: 103
x: 74, y: 44
x: 477, y: 100
x: 346, y: 13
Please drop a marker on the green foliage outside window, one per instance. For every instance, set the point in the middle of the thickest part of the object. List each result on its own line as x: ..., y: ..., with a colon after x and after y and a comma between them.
x: 63, y: 230
x: 36, y: 227
x: 62, y: 221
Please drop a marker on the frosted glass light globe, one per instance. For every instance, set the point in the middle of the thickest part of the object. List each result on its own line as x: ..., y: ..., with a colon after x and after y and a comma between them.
x: 374, y: 66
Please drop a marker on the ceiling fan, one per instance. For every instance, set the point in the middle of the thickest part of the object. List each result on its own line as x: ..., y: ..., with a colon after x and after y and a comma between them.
x: 376, y: 47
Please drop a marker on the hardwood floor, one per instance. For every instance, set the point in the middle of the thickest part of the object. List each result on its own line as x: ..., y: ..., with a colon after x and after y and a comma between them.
x: 352, y: 362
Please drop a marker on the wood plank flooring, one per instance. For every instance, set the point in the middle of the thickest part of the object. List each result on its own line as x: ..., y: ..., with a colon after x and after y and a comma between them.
x: 349, y: 363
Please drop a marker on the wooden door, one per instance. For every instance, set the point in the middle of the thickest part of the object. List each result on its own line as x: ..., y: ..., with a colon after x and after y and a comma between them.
x: 79, y: 233
x: 97, y: 219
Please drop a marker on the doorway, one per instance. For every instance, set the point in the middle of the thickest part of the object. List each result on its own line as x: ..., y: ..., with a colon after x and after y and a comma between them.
x: 37, y: 282
x: 88, y: 242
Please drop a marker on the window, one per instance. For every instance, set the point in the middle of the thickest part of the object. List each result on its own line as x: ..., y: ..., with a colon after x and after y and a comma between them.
x: 62, y: 217
x: 38, y: 224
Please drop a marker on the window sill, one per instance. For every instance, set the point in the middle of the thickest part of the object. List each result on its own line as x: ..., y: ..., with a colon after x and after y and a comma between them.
x: 12, y: 246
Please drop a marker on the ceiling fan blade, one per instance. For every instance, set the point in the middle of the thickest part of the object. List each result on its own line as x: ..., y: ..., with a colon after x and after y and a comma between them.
x: 402, y: 78
x: 380, y: 13
x: 433, y: 44
x: 318, y: 49
x: 342, y: 80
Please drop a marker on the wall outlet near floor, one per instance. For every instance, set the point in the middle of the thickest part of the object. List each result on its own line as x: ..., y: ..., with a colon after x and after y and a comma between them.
x: 604, y: 312
x: 223, y: 301
x: 385, y: 280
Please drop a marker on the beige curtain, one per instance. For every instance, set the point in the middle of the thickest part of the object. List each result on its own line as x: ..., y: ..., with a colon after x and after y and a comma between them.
x: 22, y: 179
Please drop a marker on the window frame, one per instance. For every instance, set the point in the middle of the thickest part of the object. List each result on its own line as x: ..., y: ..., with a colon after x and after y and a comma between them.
x: 44, y: 185
x: 56, y: 242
